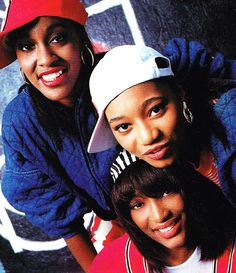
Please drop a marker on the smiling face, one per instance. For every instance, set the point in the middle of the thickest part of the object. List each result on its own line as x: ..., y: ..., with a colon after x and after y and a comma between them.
x: 146, y: 121
x: 49, y: 56
x: 162, y: 219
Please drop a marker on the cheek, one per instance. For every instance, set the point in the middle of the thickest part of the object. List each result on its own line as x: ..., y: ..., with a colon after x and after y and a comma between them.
x: 137, y: 219
x: 172, y: 122
x: 140, y: 217
x: 178, y: 204
x: 71, y: 53
x: 127, y: 142
x: 74, y: 62
x: 26, y: 62
x: 75, y: 67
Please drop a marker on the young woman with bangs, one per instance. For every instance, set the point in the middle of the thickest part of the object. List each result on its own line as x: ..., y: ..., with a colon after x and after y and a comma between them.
x: 176, y: 219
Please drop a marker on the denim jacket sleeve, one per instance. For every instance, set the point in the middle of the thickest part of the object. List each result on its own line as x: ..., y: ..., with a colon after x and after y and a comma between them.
x: 225, y: 110
x: 192, y: 57
x: 33, y: 181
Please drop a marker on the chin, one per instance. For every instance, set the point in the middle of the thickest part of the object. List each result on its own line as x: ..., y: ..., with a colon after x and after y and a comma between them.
x: 161, y: 163
x: 177, y: 243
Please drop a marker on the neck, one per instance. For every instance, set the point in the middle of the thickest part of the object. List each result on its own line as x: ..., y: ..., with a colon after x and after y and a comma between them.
x: 178, y: 256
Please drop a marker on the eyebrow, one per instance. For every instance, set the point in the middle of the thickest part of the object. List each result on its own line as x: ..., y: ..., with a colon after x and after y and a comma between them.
x: 143, y: 106
x: 149, y: 101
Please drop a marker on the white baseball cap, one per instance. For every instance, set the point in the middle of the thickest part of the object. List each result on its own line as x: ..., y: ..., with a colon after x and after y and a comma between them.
x: 121, y: 68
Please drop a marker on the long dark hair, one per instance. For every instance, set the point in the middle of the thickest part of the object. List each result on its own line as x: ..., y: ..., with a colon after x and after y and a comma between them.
x: 52, y: 116
x: 210, y: 218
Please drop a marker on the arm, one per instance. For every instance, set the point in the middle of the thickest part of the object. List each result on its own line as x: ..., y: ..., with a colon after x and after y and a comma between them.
x: 34, y: 181
x: 192, y: 57
x: 82, y: 249
x: 50, y: 205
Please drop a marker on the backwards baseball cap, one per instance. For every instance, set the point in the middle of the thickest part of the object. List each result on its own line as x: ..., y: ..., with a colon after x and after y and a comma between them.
x: 121, y: 68
x: 21, y: 12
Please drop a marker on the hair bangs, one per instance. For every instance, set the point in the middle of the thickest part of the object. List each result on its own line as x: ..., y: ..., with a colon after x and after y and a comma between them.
x: 141, y: 178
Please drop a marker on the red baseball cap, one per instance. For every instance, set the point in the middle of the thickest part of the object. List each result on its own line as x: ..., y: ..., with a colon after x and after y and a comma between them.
x: 21, y: 12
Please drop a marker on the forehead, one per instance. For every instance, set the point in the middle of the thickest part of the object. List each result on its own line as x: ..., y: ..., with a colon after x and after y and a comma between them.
x: 143, y: 91
x: 45, y: 23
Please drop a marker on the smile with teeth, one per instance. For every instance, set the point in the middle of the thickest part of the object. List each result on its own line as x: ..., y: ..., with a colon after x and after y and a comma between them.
x: 166, y: 229
x: 52, y: 77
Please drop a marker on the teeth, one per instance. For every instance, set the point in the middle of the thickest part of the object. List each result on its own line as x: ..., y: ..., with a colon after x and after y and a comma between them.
x: 52, y: 77
x: 166, y: 229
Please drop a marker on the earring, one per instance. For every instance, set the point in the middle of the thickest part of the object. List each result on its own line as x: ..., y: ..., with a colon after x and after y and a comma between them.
x: 86, y: 50
x: 187, y: 113
x: 23, y: 76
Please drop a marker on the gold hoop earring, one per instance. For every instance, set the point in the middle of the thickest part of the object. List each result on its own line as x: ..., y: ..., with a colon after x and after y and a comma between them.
x: 187, y: 113
x: 23, y: 76
x: 87, y: 51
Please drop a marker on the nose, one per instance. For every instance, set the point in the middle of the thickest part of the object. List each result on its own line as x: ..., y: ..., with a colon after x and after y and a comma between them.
x: 45, y: 55
x: 147, y: 133
x: 158, y: 212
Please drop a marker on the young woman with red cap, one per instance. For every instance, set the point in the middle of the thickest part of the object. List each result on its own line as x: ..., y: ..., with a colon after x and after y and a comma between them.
x: 49, y: 174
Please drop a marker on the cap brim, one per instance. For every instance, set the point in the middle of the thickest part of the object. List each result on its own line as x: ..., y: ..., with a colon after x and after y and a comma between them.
x: 102, y: 138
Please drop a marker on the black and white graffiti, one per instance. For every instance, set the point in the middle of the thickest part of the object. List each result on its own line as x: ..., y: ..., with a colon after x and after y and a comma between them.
x: 110, y: 23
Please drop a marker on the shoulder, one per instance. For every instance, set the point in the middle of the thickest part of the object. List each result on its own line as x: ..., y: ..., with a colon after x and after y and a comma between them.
x: 112, y: 258
x: 116, y: 247
x: 227, y: 261
x: 19, y: 109
x: 225, y: 110
x: 226, y: 102
x: 120, y: 256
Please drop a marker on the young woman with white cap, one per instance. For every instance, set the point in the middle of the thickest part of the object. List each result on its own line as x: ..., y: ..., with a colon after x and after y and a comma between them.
x: 144, y: 109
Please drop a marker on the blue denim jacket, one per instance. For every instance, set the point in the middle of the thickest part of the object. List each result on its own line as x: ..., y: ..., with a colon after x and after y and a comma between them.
x: 56, y: 188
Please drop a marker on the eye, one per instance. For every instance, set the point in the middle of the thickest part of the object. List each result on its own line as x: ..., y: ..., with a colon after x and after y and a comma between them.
x: 25, y: 46
x: 158, y: 109
x: 59, y: 38
x: 165, y: 193
x: 137, y: 202
x: 136, y: 205
x: 155, y: 110
x: 122, y: 127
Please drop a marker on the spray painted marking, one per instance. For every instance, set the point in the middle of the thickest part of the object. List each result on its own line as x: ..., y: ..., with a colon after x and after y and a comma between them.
x: 104, y: 5
x: 3, y: 13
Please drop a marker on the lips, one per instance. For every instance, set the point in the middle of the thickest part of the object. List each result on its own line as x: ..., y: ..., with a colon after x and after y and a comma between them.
x: 157, y: 152
x: 53, y: 77
x: 168, y: 230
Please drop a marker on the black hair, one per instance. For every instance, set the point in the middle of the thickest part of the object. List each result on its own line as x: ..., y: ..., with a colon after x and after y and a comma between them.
x: 201, y: 94
x: 52, y: 116
x: 210, y: 219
